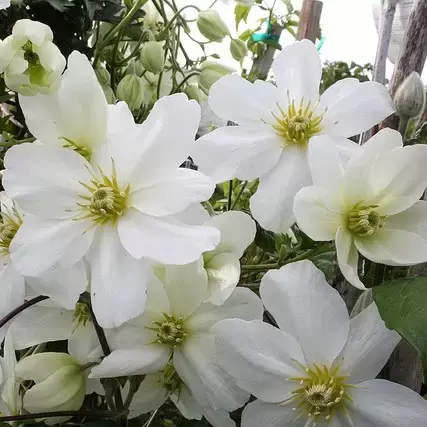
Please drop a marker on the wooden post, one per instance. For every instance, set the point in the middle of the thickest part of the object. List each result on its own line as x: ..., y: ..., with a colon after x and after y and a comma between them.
x: 412, y: 55
x: 309, y: 21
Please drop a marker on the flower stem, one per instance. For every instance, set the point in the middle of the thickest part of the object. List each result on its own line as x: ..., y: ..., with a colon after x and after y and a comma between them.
x: 239, y: 195
x: 230, y: 194
x: 24, y: 417
x: 150, y: 421
x: 21, y: 308
x: 378, y: 274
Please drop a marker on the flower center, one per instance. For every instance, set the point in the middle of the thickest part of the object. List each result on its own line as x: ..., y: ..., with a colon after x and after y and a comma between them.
x: 9, y: 226
x: 170, y: 330
x: 170, y: 380
x: 297, y: 125
x: 364, y: 220
x: 105, y: 201
x: 320, y: 394
x: 81, y: 314
x: 82, y: 149
x: 35, y: 70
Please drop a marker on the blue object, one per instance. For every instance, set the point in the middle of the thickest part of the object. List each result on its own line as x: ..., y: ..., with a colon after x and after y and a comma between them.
x: 266, y: 35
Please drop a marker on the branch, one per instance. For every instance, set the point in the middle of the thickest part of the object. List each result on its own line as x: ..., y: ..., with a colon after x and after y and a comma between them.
x: 21, y: 308
x: 101, y: 414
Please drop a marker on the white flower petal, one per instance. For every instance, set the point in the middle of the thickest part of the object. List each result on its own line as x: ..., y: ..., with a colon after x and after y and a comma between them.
x: 223, y: 276
x: 132, y: 361
x: 186, y: 404
x: 244, y: 152
x: 260, y: 414
x: 242, y: 304
x: 348, y: 257
x: 260, y: 357
x: 399, y: 178
x: 62, y: 285
x: 149, y: 397
x: 41, y: 243
x: 368, y: 347
x: 4, y: 4
x: 78, y: 111
x: 186, y: 287
x: 338, y: 91
x: 393, y: 247
x: 42, y: 323
x: 317, y: 214
x: 219, y: 418
x: 165, y: 240
x: 356, y: 110
x: 386, y: 404
x: 272, y: 204
x: 118, y: 282
x: 164, y: 140
x: 12, y: 288
x: 173, y: 193
x: 47, y: 194
x: 83, y: 343
x: 210, y: 385
x: 237, y: 233
x: 297, y: 70
x: 412, y: 220
x: 307, y: 307
x: 236, y: 99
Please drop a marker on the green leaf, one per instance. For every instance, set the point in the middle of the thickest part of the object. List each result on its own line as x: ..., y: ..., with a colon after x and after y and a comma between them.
x: 402, y: 304
x: 241, y: 12
x: 245, y: 35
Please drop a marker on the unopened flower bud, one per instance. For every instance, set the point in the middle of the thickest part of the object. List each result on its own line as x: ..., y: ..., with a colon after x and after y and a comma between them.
x: 130, y: 89
x: 109, y: 93
x: 193, y: 92
x: 134, y: 67
x: 238, y: 49
x: 211, y: 25
x: 152, y: 57
x: 212, y: 71
x: 59, y: 383
x: 410, y: 97
x: 103, y: 75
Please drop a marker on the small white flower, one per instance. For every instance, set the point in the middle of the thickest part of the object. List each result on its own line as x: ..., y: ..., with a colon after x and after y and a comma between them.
x: 175, y: 328
x: 118, y: 210
x: 156, y: 388
x: 318, y: 368
x: 31, y: 63
x: 59, y: 384
x: 276, y: 124
x: 77, y: 115
x: 64, y: 285
x: 372, y: 206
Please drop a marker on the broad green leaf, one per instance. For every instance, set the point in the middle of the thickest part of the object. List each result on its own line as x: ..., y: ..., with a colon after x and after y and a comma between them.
x: 402, y: 304
x: 241, y: 12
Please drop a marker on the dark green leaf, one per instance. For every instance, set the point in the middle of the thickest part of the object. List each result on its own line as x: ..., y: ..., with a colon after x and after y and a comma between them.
x: 402, y: 304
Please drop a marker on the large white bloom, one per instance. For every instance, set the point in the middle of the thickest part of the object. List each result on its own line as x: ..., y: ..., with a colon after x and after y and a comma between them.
x: 175, y: 328
x: 372, y: 206
x: 117, y: 211
x: 63, y: 285
x: 75, y: 116
x: 318, y: 368
x: 276, y: 124
x: 221, y: 265
x: 31, y: 63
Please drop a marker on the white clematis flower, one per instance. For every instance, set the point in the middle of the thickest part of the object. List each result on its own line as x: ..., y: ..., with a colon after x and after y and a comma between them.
x: 220, y: 268
x: 31, y: 63
x: 117, y: 211
x: 276, y: 124
x: 59, y: 384
x: 372, y: 206
x: 63, y: 285
x: 156, y: 388
x: 175, y: 327
x: 318, y: 368
x: 75, y: 116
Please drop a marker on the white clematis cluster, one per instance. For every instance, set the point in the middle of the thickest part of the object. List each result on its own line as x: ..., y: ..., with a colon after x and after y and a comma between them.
x: 106, y: 237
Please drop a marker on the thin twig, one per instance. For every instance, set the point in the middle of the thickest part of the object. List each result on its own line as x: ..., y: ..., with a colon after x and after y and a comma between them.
x: 101, y: 414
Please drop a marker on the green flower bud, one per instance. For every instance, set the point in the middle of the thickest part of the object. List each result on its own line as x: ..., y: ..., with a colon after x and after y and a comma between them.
x: 109, y: 93
x: 103, y: 75
x: 130, y: 90
x: 238, y: 49
x: 410, y: 97
x: 134, y: 67
x: 152, y: 57
x: 211, y: 25
x: 193, y: 92
x: 211, y: 72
